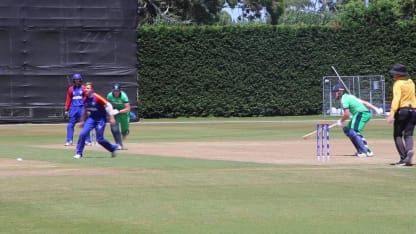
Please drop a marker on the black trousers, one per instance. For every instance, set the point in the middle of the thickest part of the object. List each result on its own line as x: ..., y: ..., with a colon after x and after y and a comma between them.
x: 404, y: 125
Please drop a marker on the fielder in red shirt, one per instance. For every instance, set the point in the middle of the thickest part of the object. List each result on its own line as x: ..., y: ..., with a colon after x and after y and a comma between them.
x: 96, y: 111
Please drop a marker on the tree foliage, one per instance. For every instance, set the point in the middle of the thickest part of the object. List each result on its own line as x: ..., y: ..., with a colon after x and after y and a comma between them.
x: 378, y: 13
x: 346, y: 12
x: 275, y: 9
x: 407, y: 9
x: 253, y: 70
x: 296, y: 17
x: 168, y: 12
x: 178, y: 11
x: 300, y: 5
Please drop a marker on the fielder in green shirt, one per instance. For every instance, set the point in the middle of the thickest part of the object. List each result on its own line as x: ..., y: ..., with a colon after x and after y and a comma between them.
x: 121, y: 105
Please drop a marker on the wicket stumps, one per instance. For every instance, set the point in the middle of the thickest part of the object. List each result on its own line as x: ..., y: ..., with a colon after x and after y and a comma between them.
x: 322, y: 142
x: 93, y: 137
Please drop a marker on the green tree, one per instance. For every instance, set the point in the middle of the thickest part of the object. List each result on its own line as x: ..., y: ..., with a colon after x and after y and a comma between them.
x: 408, y: 9
x: 178, y: 11
x: 199, y: 11
x: 328, y: 6
x: 300, y: 4
x: 275, y: 8
x: 378, y: 13
x: 305, y: 12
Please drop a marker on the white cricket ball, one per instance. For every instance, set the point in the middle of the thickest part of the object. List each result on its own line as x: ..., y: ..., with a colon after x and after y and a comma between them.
x: 19, y: 159
x: 326, y: 81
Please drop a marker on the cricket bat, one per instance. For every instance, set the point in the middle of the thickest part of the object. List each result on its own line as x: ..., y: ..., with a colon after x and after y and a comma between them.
x: 306, y: 136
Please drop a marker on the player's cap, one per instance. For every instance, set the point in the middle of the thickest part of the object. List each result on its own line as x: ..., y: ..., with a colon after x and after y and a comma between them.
x: 338, y: 87
x: 399, y: 69
x: 76, y: 76
x: 116, y: 87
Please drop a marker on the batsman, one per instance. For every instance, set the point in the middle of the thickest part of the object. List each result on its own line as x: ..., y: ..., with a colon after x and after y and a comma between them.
x: 120, y: 101
x: 360, y: 115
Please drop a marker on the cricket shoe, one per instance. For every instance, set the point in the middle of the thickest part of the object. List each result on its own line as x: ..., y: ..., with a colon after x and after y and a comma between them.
x: 77, y: 156
x: 397, y: 163
x: 88, y: 143
x: 69, y: 143
x: 114, y: 153
x: 403, y: 164
x: 408, y: 160
x: 370, y: 153
x: 361, y: 155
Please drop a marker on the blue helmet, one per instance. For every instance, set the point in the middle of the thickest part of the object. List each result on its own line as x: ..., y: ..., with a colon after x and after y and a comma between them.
x: 338, y: 88
x: 116, y: 87
x: 76, y: 76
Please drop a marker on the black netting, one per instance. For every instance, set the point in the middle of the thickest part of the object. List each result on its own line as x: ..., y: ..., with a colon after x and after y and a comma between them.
x: 43, y: 42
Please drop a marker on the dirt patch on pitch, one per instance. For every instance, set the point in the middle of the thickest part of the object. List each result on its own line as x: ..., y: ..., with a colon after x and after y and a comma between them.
x: 276, y: 152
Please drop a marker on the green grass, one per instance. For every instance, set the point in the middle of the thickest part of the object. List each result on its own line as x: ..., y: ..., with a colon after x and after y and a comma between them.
x: 149, y: 194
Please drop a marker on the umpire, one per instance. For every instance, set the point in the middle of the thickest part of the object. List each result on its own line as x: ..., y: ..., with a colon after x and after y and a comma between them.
x: 403, y: 113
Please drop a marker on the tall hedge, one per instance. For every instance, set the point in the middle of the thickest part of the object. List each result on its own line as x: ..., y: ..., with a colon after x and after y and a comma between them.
x: 258, y: 70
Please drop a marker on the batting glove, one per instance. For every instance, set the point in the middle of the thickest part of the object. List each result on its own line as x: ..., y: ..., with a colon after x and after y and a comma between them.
x: 338, y: 123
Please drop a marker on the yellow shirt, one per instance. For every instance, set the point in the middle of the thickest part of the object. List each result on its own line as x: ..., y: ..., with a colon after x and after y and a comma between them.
x: 403, y: 95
